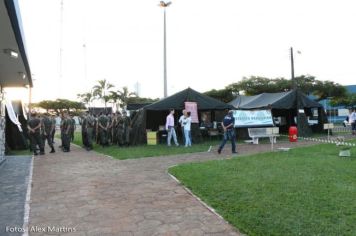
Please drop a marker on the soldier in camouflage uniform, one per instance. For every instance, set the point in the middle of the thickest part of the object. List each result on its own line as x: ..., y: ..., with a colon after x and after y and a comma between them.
x: 120, y: 129
x: 72, y: 128
x: 47, y: 129
x: 127, y: 128
x: 53, y: 120
x: 34, y: 129
x: 114, y: 129
x: 109, y: 116
x: 89, y: 126
x: 65, y: 132
x: 103, y: 124
x: 82, y: 122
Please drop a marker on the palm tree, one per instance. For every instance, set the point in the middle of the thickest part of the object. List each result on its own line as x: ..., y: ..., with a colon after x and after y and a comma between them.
x: 86, y: 98
x: 115, y: 99
x: 102, y: 89
x: 124, y: 96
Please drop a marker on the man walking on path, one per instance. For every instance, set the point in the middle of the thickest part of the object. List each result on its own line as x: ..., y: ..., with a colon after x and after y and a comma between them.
x: 47, y: 126
x: 34, y: 129
x: 170, y: 128
x: 229, y: 132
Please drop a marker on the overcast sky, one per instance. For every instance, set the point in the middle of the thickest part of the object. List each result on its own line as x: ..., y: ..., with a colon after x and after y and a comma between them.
x: 210, y: 43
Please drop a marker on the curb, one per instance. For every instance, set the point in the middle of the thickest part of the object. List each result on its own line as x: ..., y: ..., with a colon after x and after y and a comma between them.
x: 212, y: 210
x: 28, y: 200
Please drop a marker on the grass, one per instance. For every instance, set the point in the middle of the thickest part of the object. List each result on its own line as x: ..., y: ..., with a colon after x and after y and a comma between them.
x: 123, y: 153
x: 306, y: 191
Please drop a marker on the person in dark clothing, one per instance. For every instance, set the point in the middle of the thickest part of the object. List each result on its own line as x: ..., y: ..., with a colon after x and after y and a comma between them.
x: 229, y: 132
x: 53, y: 120
x: 89, y: 126
x: 103, y: 124
x: 47, y: 129
x: 65, y: 132
x: 72, y: 128
x: 34, y: 131
x: 127, y: 128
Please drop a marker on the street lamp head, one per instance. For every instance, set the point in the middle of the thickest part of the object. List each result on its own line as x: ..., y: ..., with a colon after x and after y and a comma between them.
x: 164, y: 4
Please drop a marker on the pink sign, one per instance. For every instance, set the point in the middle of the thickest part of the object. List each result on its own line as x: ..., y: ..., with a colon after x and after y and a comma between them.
x: 193, y: 108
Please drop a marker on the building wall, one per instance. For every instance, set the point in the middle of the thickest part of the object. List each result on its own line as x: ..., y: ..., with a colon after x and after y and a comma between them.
x: 2, y: 127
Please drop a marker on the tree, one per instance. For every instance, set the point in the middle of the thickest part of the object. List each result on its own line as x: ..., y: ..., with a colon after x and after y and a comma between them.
x: 132, y: 100
x: 60, y: 104
x: 102, y: 90
x: 86, y: 98
x: 115, y: 99
x: 224, y: 95
x: 306, y: 83
x: 124, y: 95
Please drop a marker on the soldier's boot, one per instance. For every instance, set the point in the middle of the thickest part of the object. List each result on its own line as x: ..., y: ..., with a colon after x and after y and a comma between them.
x: 52, y: 150
x: 35, y: 153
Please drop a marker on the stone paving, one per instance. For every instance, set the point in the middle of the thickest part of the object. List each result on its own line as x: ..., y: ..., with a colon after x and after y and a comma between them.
x: 14, y: 174
x: 97, y: 195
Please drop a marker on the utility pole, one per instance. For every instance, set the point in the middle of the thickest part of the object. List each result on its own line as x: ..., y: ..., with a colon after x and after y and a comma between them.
x: 61, y: 52
x: 292, y: 68
x: 164, y: 5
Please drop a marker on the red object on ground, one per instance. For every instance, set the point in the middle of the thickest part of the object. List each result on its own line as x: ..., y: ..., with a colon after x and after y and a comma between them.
x: 293, y: 134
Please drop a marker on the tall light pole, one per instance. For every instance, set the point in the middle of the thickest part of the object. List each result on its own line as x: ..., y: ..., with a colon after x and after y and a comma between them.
x: 164, y: 5
x: 292, y: 68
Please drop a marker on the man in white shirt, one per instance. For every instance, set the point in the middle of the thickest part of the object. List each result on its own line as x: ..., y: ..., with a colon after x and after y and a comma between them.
x: 170, y: 128
x: 180, y: 121
x: 187, y: 124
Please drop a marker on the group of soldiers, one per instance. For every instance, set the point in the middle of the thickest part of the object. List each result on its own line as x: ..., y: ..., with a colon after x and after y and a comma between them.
x: 109, y: 129
x: 106, y: 129
x: 42, y: 128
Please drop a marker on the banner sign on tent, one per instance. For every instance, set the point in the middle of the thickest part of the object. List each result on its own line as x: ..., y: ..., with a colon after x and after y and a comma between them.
x: 253, y: 118
x: 193, y: 108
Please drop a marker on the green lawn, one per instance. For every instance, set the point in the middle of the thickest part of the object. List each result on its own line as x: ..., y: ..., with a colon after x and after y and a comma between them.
x: 123, y: 153
x: 306, y: 191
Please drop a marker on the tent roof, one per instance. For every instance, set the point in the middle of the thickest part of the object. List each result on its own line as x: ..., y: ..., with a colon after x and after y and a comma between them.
x: 176, y: 101
x: 283, y: 100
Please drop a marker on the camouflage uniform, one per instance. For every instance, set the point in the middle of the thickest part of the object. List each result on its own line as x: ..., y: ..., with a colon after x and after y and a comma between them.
x: 83, y: 123
x: 109, y: 128
x: 103, y: 123
x: 65, y: 133
x: 120, y: 130
x: 89, y: 125
x: 72, y: 129
x: 53, y: 120
x: 34, y: 123
x: 114, y: 129
x: 127, y: 128
x: 47, y: 129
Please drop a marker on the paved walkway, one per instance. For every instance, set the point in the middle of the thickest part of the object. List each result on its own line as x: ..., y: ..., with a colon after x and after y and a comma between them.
x: 100, y: 196
x: 14, y: 173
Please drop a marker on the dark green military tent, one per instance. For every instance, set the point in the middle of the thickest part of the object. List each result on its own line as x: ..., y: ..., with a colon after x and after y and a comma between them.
x: 176, y: 101
x: 154, y: 115
x: 285, y: 104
